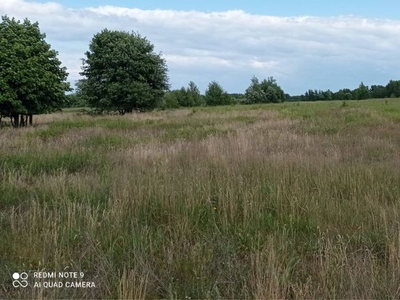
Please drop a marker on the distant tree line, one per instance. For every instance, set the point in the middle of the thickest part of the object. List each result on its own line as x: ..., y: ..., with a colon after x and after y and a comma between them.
x: 266, y: 91
x: 120, y: 73
x: 391, y: 90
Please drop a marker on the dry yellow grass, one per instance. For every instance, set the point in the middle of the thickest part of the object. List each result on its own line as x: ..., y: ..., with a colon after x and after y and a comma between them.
x: 234, y: 203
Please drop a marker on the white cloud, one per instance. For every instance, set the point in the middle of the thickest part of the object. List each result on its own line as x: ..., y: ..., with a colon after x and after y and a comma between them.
x: 300, y: 52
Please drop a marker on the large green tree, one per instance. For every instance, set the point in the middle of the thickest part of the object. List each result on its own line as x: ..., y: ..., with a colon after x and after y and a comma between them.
x: 123, y: 73
x: 378, y: 91
x: 362, y: 92
x: 393, y: 88
x: 193, y: 95
x: 265, y: 91
x: 32, y: 80
x: 215, y: 95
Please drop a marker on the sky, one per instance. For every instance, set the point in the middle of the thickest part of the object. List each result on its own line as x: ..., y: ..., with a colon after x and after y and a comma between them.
x: 302, y: 44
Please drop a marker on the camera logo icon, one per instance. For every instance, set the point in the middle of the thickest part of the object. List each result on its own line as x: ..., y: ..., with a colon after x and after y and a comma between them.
x: 20, y: 280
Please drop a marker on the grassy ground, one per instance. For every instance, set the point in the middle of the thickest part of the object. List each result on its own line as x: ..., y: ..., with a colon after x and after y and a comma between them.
x: 296, y: 200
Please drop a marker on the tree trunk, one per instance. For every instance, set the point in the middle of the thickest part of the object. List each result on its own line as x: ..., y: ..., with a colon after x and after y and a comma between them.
x: 15, y: 120
x: 22, y: 122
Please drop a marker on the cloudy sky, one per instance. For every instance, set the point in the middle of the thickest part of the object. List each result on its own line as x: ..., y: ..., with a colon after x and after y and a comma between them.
x: 303, y: 44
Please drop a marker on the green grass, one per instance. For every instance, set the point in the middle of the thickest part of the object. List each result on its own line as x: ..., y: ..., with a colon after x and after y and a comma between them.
x: 60, y: 128
x: 293, y: 200
x: 36, y: 164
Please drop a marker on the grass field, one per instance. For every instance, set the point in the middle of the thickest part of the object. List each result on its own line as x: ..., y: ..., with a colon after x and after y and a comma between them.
x: 295, y: 200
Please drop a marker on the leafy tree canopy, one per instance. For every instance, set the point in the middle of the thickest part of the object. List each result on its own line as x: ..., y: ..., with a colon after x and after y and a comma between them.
x: 193, y: 95
x: 215, y: 95
x: 393, y: 88
x: 32, y: 80
x: 266, y: 91
x: 123, y: 73
x: 362, y: 92
x: 378, y: 91
x: 184, y: 97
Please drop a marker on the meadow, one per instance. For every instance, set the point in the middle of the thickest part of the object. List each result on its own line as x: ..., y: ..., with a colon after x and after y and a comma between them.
x: 293, y: 200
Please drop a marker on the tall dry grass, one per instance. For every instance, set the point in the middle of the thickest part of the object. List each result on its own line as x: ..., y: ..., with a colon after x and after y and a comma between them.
x: 254, y: 202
